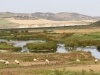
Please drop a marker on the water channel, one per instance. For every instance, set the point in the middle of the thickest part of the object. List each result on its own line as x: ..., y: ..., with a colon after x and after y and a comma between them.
x: 60, y: 49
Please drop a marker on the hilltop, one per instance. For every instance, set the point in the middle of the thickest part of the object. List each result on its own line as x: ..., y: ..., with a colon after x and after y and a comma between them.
x: 62, y: 16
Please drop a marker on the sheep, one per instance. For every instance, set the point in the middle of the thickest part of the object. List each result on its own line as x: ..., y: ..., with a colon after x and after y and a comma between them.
x: 47, y: 61
x: 35, y: 60
x: 96, y: 60
x: 77, y: 60
x: 2, y: 61
x: 16, y: 61
x: 7, y: 62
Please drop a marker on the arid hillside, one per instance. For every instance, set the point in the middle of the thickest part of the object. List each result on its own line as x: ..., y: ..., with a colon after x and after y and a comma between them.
x: 32, y: 20
x: 62, y: 16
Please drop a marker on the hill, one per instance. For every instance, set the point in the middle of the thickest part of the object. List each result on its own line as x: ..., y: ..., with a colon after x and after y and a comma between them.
x: 62, y: 16
x: 39, y: 19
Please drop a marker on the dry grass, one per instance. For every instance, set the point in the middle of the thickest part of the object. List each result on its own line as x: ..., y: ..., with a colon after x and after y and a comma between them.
x: 43, y: 21
x: 78, y: 30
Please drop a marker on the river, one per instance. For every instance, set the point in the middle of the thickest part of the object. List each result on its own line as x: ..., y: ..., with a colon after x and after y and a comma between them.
x: 60, y: 49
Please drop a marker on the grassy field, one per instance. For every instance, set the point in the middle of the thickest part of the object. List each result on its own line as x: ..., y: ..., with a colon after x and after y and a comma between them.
x: 4, y: 22
x: 77, y: 30
x: 60, y: 64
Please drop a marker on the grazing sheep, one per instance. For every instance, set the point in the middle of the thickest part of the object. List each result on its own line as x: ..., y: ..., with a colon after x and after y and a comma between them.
x: 7, y: 62
x: 47, y: 61
x: 2, y: 61
x: 77, y: 60
x: 35, y: 60
x: 16, y: 61
x: 96, y: 60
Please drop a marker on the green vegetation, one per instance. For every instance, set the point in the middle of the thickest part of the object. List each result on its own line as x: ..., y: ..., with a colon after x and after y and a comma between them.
x: 48, y: 72
x: 69, y: 39
x: 5, y: 46
x: 2, y: 65
x: 96, y: 24
x: 48, y: 46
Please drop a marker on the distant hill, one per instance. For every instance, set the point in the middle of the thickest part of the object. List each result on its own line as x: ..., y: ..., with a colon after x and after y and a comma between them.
x: 39, y: 19
x: 62, y: 16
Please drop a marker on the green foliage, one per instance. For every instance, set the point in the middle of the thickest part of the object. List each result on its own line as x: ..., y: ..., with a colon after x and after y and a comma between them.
x: 44, y: 46
x: 5, y: 46
x: 78, y: 43
x: 96, y: 24
x: 98, y: 48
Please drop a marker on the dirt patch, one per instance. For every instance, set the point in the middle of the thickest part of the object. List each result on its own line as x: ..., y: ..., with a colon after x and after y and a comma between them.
x: 3, y: 51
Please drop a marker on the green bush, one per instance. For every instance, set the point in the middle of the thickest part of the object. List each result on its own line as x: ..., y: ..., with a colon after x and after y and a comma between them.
x: 49, y: 46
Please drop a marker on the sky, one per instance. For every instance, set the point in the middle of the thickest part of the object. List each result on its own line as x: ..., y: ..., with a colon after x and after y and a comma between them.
x: 86, y: 7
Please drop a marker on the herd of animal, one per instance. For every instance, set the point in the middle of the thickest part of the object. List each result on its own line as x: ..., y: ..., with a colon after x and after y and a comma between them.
x: 6, y: 62
x: 95, y: 61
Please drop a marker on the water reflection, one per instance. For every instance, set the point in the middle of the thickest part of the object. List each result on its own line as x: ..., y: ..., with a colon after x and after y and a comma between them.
x: 25, y: 49
x: 61, y: 48
x: 91, y: 49
x: 21, y: 44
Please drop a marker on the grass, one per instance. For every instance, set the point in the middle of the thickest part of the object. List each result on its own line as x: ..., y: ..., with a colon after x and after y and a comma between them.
x: 14, y: 69
x: 2, y: 66
x: 48, y: 72
x: 4, y: 22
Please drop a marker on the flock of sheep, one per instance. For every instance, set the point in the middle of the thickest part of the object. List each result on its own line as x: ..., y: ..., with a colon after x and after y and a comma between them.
x: 36, y: 60
x: 96, y: 60
x: 6, y: 62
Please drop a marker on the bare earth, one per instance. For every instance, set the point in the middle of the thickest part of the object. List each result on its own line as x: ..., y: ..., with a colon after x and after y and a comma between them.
x: 78, y: 30
x: 95, y: 67
x: 44, y: 21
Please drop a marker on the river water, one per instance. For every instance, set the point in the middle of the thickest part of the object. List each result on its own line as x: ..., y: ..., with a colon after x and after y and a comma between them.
x: 60, y: 49
x: 92, y: 49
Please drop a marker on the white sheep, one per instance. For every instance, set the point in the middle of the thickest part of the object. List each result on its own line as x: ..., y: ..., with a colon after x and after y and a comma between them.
x: 16, y: 61
x: 2, y: 61
x: 47, y: 61
x: 35, y: 60
x: 7, y: 62
x: 77, y: 60
x: 96, y: 60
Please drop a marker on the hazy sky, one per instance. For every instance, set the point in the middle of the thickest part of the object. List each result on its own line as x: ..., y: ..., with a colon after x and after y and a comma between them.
x: 86, y: 7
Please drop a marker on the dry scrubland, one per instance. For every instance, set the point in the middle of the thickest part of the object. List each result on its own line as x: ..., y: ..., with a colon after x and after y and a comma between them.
x: 43, y: 21
x: 78, y: 30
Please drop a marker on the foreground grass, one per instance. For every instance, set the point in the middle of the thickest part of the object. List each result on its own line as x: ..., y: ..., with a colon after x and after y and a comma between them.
x: 48, y: 72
